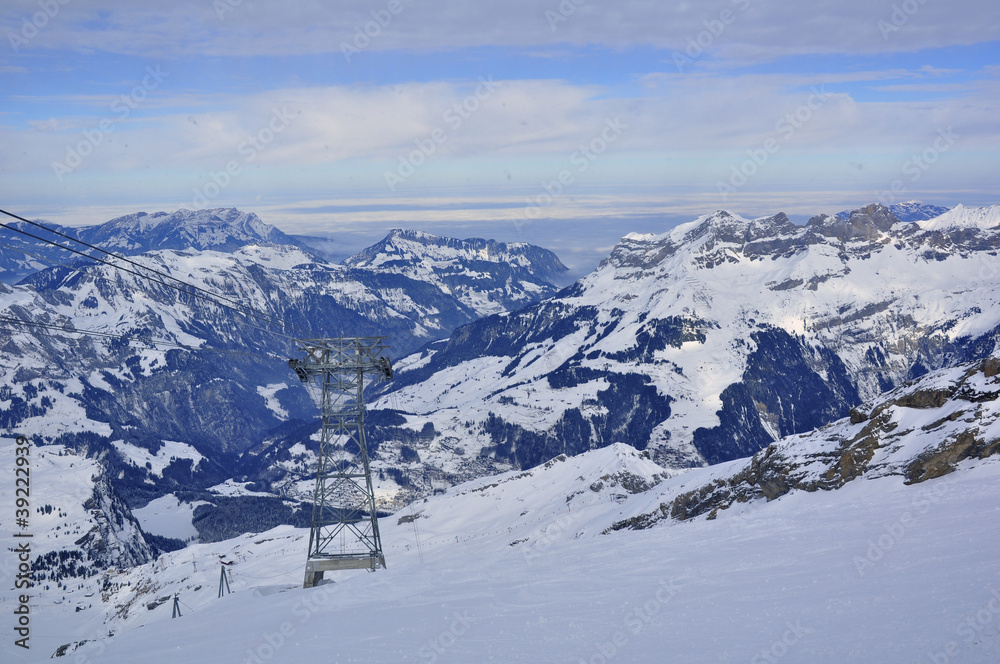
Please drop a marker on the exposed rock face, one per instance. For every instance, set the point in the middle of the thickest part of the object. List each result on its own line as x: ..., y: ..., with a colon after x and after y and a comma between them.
x: 116, y: 539
x: 867, y: 223
x: 920, y: 431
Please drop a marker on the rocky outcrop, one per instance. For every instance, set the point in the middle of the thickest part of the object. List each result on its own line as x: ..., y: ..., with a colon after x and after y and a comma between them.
x: 882, y: 438
x: 116, y: 539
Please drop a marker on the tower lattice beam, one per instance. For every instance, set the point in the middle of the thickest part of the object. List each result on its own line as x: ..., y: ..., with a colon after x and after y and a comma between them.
x: 344, y: 531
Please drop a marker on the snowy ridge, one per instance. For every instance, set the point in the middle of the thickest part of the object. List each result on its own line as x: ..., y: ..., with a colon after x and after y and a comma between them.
x: 983, y: 218
x: 710, y: 341
x: 909, y: 211
x: 219, y: 229
x: 930, y: 428
x: 487, y: 276
x: 408, y: 246
x: 222, y: 229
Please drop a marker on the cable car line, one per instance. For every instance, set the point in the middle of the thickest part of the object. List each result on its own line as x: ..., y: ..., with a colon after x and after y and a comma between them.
x: 195, y: 291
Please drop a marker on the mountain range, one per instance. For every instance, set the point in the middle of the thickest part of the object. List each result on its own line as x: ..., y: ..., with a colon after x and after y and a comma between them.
x: 184, y: 381
x: 706, y: 343
x: 731, y: 394
x: 699, y: 345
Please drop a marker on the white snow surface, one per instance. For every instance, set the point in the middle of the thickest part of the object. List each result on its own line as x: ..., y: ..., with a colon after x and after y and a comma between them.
x: 984, y: 218
x: 268, y: 392
x: 170, y: 451
x: 169, y: 517
x: 515, y: 569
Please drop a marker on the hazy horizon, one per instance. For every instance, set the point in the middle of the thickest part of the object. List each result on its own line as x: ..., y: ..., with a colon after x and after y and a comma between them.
x: 571, y: 121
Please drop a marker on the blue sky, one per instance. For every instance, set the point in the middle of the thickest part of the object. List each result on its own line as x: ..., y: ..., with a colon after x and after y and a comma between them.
x: 517, y: 120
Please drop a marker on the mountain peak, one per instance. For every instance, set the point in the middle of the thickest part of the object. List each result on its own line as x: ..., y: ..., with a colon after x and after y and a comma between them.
x: 720, y: 220
x: 864, y: 223
x: 221, y: 229
x: 409, y: 234
x: 984, y: 218
x: 908, y: 211
x: 512, y: 275
x: 403, y: 246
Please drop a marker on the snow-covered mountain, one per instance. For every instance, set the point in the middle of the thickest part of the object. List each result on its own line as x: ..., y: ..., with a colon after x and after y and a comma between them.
x: 606, y: 554
x: 80, y: 527
x: 984, y: 218
x: 704, y: 344
x: 698, y: 345
x: 909, y: 211
x: 180, y: 387
x: 488, y: 276
x: 221, y: 229
x: 923, y: 430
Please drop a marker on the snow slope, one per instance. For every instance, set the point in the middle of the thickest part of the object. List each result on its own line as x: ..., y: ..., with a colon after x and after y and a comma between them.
x: 535, y: 566
x: 984, y: 218
x: 782, y: 582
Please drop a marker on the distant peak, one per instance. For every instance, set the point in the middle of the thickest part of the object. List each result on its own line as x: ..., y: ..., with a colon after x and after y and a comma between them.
x: 983, y: 218
x: 224, y: 229
x: 863, y: 223
x: 871, y: 210
x: 403, y: 247
x: 908, y: 211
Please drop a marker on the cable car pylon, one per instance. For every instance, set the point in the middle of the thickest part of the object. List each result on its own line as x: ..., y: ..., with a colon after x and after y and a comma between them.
x: 344, y: 532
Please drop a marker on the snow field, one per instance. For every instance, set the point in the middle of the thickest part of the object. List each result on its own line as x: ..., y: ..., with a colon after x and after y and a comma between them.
x: 876, y: 571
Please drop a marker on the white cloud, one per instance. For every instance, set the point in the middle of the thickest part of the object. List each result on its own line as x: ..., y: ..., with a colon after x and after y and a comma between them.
x: 528, y: 117
x: 686, y: 129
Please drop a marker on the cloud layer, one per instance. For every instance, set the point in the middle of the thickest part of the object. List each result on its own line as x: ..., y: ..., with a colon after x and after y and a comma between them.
x: 747, y: 29
x: 546, y: 105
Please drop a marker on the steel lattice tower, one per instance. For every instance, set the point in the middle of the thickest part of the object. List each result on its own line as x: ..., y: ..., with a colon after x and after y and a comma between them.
x: 344, y: 532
